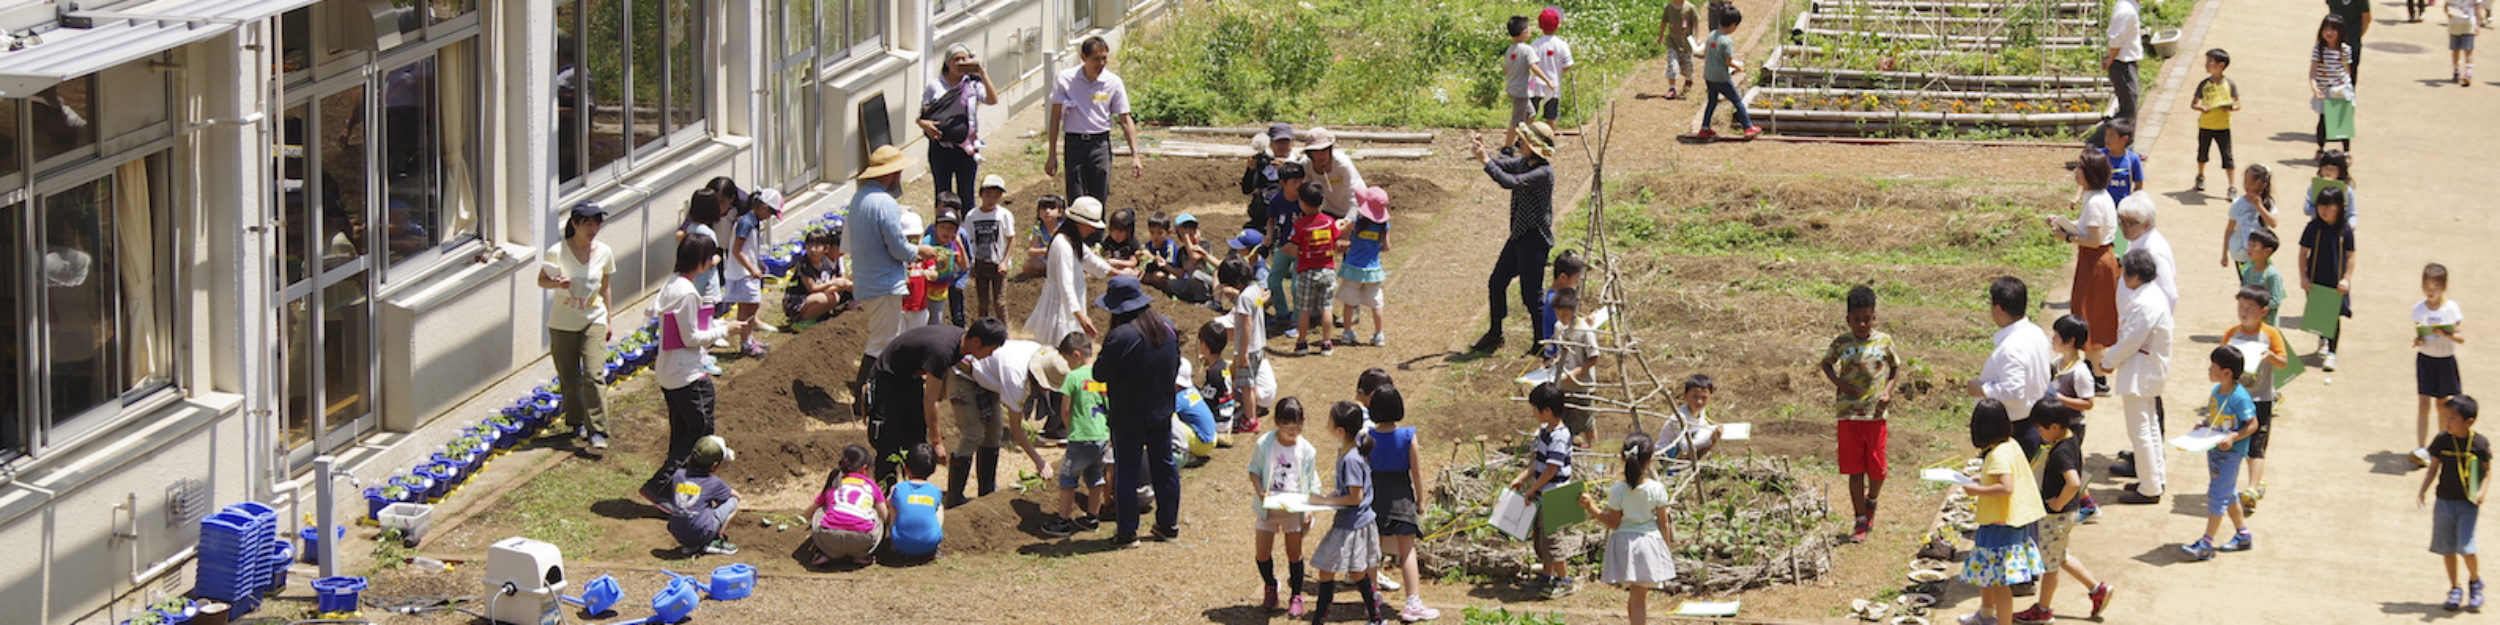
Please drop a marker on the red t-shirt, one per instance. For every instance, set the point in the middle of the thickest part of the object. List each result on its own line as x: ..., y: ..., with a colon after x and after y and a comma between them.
x: 1317, y: 233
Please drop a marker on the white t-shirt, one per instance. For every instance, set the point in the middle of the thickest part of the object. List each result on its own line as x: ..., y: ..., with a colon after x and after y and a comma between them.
x: 578, y: 307
x: 2098, y: 213
x: 986, y: 232
x: 749, y: 230
x: 2449, y: 313
x: 1249, y: 318
x: 2126, y: 31
x: 1006, y: 370
x: 1552, y: 55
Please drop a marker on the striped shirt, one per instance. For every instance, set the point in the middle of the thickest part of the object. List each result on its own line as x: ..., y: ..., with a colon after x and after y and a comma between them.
x: 1531, y: 185
x: 2329, y: 66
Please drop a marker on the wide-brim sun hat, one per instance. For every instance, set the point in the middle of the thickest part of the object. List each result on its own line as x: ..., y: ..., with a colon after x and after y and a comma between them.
x: 1319, y: 139
x: 885, y: 161
x: 1372, y: 203
x: 1049, y: 368
x: 1124, y: 295
x: 1540, y: 138
x: 1085, y: 210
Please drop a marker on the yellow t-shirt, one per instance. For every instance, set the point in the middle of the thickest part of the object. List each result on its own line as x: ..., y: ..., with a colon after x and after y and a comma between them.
x: 2217, y: 96
x: 2023, y: 506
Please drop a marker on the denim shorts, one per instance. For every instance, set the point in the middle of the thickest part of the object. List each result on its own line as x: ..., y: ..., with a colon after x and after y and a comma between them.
x: 2224, y: 491
x: 2452, y: 527
x: 1085, y: 458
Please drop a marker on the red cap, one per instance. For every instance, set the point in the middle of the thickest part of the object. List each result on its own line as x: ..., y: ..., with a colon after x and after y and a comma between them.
x: 1549, y: 20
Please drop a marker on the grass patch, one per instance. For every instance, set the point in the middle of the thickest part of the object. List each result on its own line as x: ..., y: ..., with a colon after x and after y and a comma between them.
x: 1369, y: 63
x: 1992, y: 231
x: 549, y: 507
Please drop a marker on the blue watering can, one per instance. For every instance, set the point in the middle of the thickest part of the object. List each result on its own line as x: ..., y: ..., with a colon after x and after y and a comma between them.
x: 729, y: 582
x: 597, y: 596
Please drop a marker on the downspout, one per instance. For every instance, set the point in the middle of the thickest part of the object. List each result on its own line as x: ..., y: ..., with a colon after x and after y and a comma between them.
x: 43, y: 607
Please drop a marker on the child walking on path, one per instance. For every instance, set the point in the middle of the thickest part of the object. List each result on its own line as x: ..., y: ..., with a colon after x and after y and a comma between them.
x: 1675, y: 33
x: 1283, y: 462
x: 1718, y: 60
x: 2437, y: 331
x: 1397, y: 477
x: 2060, y: 468
x: 1352, y: 547
x: 2461, y: 469
x: 2331, y: 73
x: 2216, y: 98
x: 2326, y: 259
x: 1863, y: 371
x: 1550, y: 454
x: 1638, y: 553
x: 2254, y: 336
x: 2261, y: 273
x: 2002, y: 553
x: 2463, y: 17
x: 1360, y: 279
x: 2072, y: 387
x: 1522, y: 76
x: 2232, y: 412
x: 2249, y: 213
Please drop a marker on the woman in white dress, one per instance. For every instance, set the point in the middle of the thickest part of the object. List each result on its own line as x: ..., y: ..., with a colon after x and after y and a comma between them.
x: 1060, y: 309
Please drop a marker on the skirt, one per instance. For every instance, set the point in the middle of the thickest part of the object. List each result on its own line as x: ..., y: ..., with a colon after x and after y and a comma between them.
x: 1348, y: 549
x: 2094, y: 296
x: 2002, y: 555
x: 1638, y: 558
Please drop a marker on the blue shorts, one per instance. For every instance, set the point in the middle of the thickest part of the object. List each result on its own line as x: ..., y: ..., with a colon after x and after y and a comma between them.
x: 2452, y: 527
x: 2224, y: 491
x: 1087, y: 459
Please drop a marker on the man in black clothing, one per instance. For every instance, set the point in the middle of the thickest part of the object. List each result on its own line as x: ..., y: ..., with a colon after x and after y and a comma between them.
x: 911, y: 380
x: 1529, y: 175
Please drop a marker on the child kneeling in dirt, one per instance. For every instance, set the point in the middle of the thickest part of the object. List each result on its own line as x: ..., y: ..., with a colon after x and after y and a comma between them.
x: 853, y: 510
x: 704, y: 503
x: 919, y: 519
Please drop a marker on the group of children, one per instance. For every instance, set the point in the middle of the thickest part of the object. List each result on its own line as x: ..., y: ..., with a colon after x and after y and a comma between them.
x: 1312, y: 262
x: 1376, y: 497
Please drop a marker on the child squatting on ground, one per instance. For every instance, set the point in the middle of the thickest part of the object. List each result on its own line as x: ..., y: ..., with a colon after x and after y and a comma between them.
x: 1639, y: 556
x: 1863, y: 371
x: 853, y: 512
x: 702, y: 503
x: 2460, y: 467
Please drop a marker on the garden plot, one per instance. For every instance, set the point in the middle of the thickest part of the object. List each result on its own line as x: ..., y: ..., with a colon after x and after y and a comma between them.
x: 1923, y: 69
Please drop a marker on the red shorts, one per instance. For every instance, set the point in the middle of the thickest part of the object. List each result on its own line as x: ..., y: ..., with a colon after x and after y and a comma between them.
x: 1862, y: 447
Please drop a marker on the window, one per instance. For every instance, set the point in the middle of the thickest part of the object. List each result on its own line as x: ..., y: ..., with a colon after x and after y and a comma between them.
x: 13, y: 430
x: 629, y: 73
x: 867, y: 25
x: 427, y: 166
x: 1080, y: 14
x: 101, y: 299
x: 63, y: 118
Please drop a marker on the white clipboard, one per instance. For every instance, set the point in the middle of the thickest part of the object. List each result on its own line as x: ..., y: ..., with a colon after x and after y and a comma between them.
x: 1514, y: 514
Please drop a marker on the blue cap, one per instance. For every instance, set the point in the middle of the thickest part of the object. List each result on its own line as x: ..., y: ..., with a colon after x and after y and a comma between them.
x: 1248, y: 239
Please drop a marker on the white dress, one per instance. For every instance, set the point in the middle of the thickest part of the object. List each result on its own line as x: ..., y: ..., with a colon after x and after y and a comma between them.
x: 1063, y: 291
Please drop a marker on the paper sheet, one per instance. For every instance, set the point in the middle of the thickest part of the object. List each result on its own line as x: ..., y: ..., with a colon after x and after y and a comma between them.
x: 2068, y: 226
x: 2200, y: 439
x: 1536, y: 376
x: 1514, y: 515
x: 1735, y: 431
x: 1708, y: 608
x: 1947, y: 476
x: 1295, y: 503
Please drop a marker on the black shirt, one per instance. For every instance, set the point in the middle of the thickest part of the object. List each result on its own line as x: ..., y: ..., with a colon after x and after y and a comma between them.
x: 2326, y: 244
x: 1118, y: 250
x: 930, y: 350
x: 2355, y: 12
x: 1138, y: 374
x: 1531, y: 185
x: 2459, y: 459
x: 2066, y: 456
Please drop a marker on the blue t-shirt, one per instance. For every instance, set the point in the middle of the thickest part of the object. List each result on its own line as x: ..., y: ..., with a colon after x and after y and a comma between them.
x: 707, y: 284
x: 1353, y: 471
x: 1191, y: 407
x: 2126, y: 173
x: 1391, y: 449
x: 2232, y: 414
x: 1369, y: 236
x: 916, y: 528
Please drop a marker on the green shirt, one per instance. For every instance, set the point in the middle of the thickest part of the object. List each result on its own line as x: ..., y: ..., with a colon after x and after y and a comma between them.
x: 1086, y: 422
x: 1714, y: 59
x: 1680, y: 19
x: 2273, y: 281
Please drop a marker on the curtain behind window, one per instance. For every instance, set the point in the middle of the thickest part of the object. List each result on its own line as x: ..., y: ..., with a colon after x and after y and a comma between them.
x: 135, y: 227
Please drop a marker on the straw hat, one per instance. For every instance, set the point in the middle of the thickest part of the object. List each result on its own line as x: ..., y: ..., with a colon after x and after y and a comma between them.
x: 1540, y: 138
x: 1086, y: 210
x: 887, y: 160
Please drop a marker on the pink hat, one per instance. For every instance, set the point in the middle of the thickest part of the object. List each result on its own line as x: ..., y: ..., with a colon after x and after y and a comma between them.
x: 1549, y: 20
x: 1372, y: 203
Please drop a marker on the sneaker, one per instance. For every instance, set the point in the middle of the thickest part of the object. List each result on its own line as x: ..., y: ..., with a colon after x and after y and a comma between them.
x: 1293, y: 333
x: 1416, y: 611
x: 659, y: 497
x: 2100, y: 598
x: 2474, y: 596
x: 598, y: 441
x: 721, y: 547
x: 581, y: 432
x: 2200, y: 186
x: 1388, y: 585
x: 2133, y: 498
x: 1168, y: 533
x: 2456, y: 599
x: 756, y: 349
x: 2026, y: 589
x: 1267, y: 602
x: 1088, y: 523
x: 2126, y: 469
x: 1123, y: 540
x: 1752, y: 131
x: 1327, y: 348
x: 1293, y: 607
x: 2329, y: 358
x: 2090, y: 512
x: 2248, y: 502
x: 1487, y: 344
x: 1977, y: 619
x: 1379, y: 339
x: 1707, y: 134
x: 2100, y: 386
x: 712, y: 367
x: 1858, y: 534
x: 2232, y: 193
x: 1348, y: 338
x: 2242, y: 542
x: 1062, y: 528
x: 2201, y: 550
x: 1301, y: 348
x: 2421, y: 457
x: 2037, y: 615
x: 1561, y: 587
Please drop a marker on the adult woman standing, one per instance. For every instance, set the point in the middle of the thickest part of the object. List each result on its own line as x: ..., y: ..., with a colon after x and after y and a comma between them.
x: 1140, y: 358
x: 577, y: 270
x: 2094, y: 296
x: 1060, y: 309
x: 950, y: 116
x: 1529, y: 175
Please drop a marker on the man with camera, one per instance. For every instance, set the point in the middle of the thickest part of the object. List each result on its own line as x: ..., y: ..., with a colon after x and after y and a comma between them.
x: 950, y: 116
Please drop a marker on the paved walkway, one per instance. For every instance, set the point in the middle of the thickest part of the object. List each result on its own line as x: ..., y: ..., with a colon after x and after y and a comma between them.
x: 2339, y: 537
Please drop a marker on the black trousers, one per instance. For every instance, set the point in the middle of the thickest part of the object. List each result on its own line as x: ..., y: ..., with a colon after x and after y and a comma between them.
x: 1523, y: 259
x: 895, y: 422
x: 2207, y: 139
x: 1139, y: 452
x: 1088, y: 165
x: 689, y: 420
x: 955, y: 172
x: 2130, y: 88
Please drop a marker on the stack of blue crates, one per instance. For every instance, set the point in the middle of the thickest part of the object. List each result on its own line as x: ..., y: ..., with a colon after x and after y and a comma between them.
x: 237, y: 547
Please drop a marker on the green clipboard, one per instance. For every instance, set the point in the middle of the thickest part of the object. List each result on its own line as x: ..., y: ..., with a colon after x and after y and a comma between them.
x: 2325, y: 306
x: 2292, y: 367
x: 2318, y: 184
x: 2338, y: 117
x: 1560, y: 507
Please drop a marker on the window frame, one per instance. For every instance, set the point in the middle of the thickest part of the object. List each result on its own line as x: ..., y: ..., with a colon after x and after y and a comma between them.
x: 419, y: 265
x: 635, y: 158
x: 136, y: 398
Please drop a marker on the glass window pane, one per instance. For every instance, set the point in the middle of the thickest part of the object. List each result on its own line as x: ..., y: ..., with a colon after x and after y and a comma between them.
x: 144, y: 344
x: 686, y: 66
x: 295, y: 40
x: 605, y: 56
x: 798, y: 25
x: 298, y: 355
x: 446, y: 10
x: 456, y: 96
x: 9, y: 162
x: 414, y: 206
x: 796, y: 115
x: 343, y: 179
x: 12, y: 355
x: 78, y: 276
x: 568, y: 81
x: 346, y: 346
x: 62, y: 118
x: 401, y: 23
x: 867, y: 20
x: 649, y: 74
x: 295, y: 214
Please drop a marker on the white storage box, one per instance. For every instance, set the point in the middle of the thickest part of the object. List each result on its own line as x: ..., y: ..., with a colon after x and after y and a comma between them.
x: 411, y: 519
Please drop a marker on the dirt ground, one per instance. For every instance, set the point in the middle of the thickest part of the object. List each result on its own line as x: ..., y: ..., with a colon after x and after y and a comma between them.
x: 788, y: 413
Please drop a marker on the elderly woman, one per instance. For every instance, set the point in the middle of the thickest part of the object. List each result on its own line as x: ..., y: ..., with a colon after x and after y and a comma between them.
x: 2095, y: 292
x: 950, y: 116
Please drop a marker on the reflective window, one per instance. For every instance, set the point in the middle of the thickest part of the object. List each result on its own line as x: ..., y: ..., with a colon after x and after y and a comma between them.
x: 867, y: 22
x: 685, y: 65
x: 295, y: 33
x: 628, y: 74
x: 344, y: 179
x: 101, y: 290
x: 12, y: 353
x: 411, y: 161
x: 64, y: 118
x: 606, y: 59
x: 9, y: 162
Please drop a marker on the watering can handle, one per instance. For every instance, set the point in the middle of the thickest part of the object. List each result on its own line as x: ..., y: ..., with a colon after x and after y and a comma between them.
x: 701, y: 586
x: 574, y: 600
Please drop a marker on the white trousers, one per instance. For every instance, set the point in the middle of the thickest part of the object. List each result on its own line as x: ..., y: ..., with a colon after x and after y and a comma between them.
x: 2144, y: 424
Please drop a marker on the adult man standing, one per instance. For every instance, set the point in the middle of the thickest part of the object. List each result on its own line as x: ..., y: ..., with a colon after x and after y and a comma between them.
x: 950, y: 116
x: 2356, y: 23
x: 1529, y: 175
x: 1259, y: 179
x: 2019, y: 369
x: 2138, y: 364
x: 1141, y: 355
x: 911, y: 382
x: 1334, y: 169
x: 2126, y: 48
x: 879, y: 258
x: 1084, y: 101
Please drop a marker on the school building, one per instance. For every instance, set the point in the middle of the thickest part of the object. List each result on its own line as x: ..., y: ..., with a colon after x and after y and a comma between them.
x: 239, y: 234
